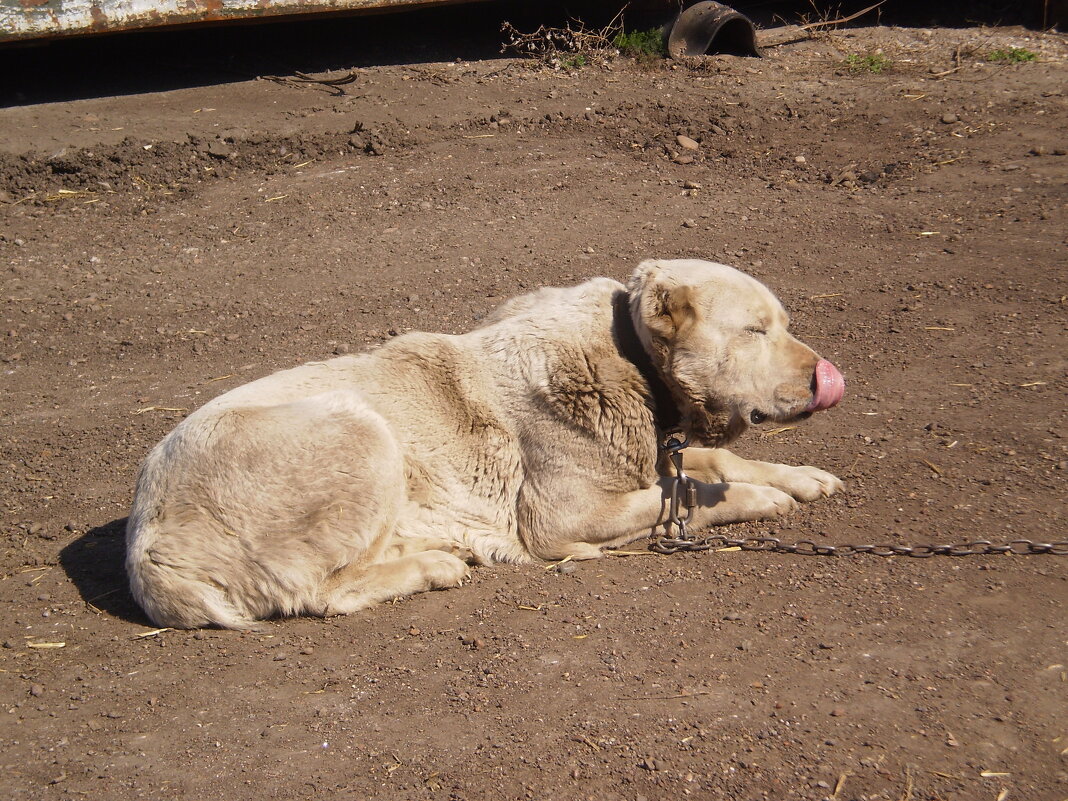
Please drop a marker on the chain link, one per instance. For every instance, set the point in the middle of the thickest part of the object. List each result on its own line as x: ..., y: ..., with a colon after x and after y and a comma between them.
x: 684, y: 495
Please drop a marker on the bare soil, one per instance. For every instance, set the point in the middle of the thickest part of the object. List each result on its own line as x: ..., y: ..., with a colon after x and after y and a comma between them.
x: 160, y: 247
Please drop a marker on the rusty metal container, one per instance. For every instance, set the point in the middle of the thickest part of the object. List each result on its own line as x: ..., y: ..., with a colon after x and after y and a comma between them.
x: 46, y: 19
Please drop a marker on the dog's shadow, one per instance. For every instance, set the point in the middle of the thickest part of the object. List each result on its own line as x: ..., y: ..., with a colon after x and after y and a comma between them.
x: 95, y: 563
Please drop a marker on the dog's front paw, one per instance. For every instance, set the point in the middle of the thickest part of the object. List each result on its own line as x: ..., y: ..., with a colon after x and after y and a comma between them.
x: 776, y: 503
x: 746, y: 502
x: 808, y: 483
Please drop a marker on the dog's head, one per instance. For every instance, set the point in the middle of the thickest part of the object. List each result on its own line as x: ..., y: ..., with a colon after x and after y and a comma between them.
x: 720, y: 340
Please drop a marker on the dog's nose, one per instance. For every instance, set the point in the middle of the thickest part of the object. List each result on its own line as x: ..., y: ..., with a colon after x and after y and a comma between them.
x: 828, y: 386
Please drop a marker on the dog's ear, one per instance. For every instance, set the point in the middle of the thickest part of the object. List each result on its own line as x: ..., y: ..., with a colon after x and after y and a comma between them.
x: 657, y: 298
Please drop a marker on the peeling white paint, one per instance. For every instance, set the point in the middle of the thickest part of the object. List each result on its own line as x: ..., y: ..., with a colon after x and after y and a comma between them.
x: 20, y: 19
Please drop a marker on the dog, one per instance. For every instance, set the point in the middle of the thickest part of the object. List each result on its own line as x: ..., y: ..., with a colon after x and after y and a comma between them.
x: 336, y: 485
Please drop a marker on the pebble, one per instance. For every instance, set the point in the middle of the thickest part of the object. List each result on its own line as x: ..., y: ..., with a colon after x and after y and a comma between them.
x: 689, y: 223
x: 732, y: 616
x: 280, y: 657
x: 219, y: 149
x: 687, y: 143
x: 837, y: 712
x: 949, y: 118
x: 691, y: 185
x: 566, y: 567
x: 308, y: 651
x: 36, y: 690
x: 342, y: 348
x: 717, y: 130
x: 683, y: 159
x: 800, y: 160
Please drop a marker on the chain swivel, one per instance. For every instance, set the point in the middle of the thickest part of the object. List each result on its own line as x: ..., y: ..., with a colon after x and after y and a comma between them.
x: 683, y: 494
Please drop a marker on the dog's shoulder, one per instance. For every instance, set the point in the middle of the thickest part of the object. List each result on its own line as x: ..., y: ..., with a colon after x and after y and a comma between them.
x: 562, y: 343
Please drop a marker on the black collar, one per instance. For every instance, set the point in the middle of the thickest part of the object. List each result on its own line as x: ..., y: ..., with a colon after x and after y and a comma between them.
x: 665, y: 411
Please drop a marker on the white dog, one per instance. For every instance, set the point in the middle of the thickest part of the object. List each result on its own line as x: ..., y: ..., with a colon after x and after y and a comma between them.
x: 333, y: 486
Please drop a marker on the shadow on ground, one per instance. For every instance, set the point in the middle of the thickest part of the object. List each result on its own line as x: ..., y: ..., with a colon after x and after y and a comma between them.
x: 153, y: 61
x: 95, y: 564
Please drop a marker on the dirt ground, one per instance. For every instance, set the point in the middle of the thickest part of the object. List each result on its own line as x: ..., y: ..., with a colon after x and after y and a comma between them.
x: 166, y: 240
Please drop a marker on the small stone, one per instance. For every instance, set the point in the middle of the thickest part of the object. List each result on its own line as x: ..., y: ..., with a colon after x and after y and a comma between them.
x: 691, y: 185
x: 34, y: 528
x: 342, y: 348
x: 415, y: 632
x: 732, y: 616
x: 800, y: 160
x: 823, y: 785
x: 219, y: 149
x: 717, y: 130
x: 307, y: 651
x: 683, y: 159
x: 566, y: 567
x: 837, y: 712
x: 687, y: 143
x: 280, y: 657
x: 949, y: 118
x: 689, y: 223
x: 1038, y: 150
x: 36, y: 690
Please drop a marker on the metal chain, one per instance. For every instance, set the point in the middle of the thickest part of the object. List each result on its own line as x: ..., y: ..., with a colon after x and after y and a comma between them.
x: 683, y: 490
x: 669, y: 545
x: 684, y: 495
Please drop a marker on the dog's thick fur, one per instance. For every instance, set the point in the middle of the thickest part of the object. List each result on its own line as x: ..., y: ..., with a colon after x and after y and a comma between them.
x: 333, y: 486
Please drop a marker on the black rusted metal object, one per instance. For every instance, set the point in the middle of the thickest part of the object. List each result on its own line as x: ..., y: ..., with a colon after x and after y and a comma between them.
x: 707, y: 27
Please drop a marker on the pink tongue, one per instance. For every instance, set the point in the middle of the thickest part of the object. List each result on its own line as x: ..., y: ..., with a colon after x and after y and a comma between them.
x: 829, y: 387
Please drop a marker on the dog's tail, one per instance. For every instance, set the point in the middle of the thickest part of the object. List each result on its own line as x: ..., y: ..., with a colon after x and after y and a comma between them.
x: 172, y: 593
